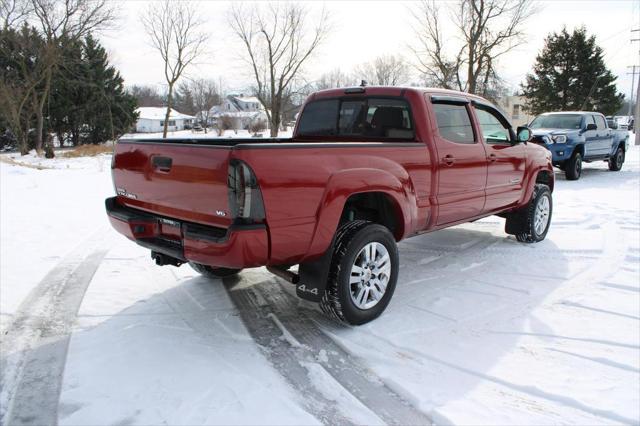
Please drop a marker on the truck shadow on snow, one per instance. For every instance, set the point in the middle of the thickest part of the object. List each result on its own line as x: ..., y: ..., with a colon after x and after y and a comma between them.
x: 465, y: 297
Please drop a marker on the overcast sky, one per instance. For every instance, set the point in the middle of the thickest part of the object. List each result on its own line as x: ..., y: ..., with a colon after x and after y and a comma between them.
x: 363, y: 30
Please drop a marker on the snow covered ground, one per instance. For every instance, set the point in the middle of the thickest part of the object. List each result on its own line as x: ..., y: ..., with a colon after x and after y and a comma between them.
x: 481, y: 329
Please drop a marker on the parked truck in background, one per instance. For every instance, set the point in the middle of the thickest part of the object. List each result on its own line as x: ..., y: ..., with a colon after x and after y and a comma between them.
x: 366, y: 167
x: 579, y: 136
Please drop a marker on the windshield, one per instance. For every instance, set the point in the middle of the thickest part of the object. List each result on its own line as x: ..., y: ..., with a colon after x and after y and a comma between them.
x: 557, y: 121
x: 357, y: 117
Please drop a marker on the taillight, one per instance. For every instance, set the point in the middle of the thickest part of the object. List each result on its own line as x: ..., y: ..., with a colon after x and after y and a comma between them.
x: 245, y: 198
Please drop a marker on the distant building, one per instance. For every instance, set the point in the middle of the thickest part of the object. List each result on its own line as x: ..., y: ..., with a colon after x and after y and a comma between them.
x: 514, y: 108
x: 151, y: 120
x: 244, y: 110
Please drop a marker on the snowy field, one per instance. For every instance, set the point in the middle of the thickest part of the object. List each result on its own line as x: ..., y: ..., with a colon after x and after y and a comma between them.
x: 481, y: 329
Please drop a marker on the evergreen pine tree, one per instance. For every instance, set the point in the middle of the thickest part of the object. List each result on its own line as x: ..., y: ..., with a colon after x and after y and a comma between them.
x: 110, y: 109
x: 88, y: 101
x: 570, y: 74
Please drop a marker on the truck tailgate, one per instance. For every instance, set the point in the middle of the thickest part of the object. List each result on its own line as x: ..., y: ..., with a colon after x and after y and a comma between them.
x: 186, y: 182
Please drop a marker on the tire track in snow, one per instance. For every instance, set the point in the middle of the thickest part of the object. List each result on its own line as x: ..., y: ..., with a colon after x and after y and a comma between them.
x: 35, y: 345
x: 272, y: 315
x: 257, y: 318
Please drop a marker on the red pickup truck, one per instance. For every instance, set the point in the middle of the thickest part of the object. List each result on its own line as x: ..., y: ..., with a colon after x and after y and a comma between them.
x: 365, y: 168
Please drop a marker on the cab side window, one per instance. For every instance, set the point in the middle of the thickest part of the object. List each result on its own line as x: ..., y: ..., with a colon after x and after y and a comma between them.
x: 588, y: 119
x: 600, y: 122
x: 493, y: 130
x: 454, y: 123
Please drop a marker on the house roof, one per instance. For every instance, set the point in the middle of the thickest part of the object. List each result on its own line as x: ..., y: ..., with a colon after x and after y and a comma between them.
x: 247, y: 99
x: 158, y: 113
x: 237, y: 114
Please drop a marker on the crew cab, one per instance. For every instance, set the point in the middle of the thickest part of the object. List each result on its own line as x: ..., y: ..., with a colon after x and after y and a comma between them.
x: 365, y: 168
x: 575, y: 137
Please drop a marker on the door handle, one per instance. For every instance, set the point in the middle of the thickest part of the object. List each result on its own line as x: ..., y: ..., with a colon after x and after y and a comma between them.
x: 162, y: 164
x: 492, y: 158
x: 448, y: 160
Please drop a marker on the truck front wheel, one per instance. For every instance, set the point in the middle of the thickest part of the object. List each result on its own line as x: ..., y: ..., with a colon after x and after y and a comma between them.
x: 363, y: 273
x: 211, y: 272
x: 536, y: 216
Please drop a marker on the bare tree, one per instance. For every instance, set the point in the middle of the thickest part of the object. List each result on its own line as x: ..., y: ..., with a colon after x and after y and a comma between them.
x: 206, y: 94
x: 488, y: 29
x: 226, y: 122
x: 332, y: 79
x: 20, y: 78
x: 14, y: 12
x: 147, y: 96
x: 175, y: 32
x: 257, y: 126
x: 277, y: 47
x: 386, y: 70
x: 69, y: 20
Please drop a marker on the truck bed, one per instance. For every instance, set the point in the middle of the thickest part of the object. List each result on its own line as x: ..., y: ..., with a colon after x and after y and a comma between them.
x: 294, y: 176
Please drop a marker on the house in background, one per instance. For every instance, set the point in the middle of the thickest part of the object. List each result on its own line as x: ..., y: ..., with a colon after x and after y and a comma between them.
x: 151, y: 120
x: 514, y: 108
x: 243, y: 110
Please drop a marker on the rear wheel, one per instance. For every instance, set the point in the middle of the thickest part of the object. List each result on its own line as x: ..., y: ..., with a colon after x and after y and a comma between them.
x: 212, y: 272
x: 363, y: 274
x: 615, y: 162
x: 573, y: 167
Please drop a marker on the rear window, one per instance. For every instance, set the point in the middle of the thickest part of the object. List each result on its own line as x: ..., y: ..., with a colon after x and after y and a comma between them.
x: 357, y: 117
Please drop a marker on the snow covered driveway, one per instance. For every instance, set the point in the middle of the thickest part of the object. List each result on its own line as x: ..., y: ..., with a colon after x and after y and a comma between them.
x: 481, y: 329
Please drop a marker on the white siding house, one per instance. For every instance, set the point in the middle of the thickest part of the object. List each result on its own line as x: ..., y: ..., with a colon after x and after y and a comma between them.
x: 244, y: 110
x: 514, y: 107
x: 151, y: 120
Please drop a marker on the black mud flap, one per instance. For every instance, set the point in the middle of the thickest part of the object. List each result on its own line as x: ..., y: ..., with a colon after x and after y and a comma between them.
x: 516, y: 222
x: 314, y: 276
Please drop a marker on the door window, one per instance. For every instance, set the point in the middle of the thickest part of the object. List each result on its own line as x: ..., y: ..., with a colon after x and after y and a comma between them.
x: 454, y: 123
x: 493, y: 130
x: 588, y: 120
x: 600, y: 122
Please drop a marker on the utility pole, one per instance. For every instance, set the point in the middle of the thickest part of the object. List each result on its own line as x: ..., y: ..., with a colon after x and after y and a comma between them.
x: 633, y: 81
x: 637, y: 114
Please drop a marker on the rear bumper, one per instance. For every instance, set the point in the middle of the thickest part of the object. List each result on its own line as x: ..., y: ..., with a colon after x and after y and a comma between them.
x: 239, y: 246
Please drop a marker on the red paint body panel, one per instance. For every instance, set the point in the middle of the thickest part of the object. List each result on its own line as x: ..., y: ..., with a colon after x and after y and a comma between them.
x: 305, y: 184
x: 245, y: 249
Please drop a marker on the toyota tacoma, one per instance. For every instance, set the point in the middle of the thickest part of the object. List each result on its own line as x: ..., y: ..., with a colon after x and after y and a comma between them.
x: 365, y: 168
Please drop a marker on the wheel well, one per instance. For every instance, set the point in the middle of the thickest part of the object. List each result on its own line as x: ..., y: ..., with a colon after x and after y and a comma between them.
x: 376, y: 207
x: 544, y: 177
x: 580, y: 149
x: 622, y: 145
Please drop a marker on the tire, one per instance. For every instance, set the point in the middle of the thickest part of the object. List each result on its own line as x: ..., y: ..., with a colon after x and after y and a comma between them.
x: 211, y: 272
x: 616, y: 162
x: 537, y: 216
x: 573, y: 167
x: 363, y: 300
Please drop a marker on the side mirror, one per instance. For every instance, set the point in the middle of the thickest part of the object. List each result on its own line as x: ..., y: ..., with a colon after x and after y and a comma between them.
x: 591, y: 126
x: 523, y: 135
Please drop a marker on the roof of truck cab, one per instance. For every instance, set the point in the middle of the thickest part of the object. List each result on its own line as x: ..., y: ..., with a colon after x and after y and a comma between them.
x: 570, y: 112
x: 390, y: 91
